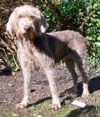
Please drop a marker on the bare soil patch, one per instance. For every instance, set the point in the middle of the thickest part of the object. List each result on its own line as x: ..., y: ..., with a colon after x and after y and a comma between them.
x: 11, y: 91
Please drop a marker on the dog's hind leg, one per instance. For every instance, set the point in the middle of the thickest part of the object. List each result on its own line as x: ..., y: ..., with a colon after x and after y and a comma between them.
x: 50, y: 75
x: 82, y: 68
x: 81, y: 63
x: 71, y: 67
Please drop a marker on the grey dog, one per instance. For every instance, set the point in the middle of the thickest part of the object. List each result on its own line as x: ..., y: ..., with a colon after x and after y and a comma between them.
x: 40, y: 50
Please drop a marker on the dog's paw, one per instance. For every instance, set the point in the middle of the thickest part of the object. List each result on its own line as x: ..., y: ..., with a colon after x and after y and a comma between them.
x: 20, y: 106
x: 86, y: 94
x: 56, y: 105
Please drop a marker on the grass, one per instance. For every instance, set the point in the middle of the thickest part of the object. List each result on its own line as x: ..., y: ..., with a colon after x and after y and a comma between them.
x: 44, y: 110
x: 7, y: 113
x: 67, y: 110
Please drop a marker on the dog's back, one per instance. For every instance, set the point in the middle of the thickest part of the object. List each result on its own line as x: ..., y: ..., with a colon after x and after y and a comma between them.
x: 59, y: 44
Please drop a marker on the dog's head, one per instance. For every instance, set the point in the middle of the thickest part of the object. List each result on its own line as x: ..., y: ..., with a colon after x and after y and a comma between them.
x: 26, y: 21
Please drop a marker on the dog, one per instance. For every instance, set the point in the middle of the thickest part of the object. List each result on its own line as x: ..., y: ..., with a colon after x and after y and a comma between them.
x: 40, y: 50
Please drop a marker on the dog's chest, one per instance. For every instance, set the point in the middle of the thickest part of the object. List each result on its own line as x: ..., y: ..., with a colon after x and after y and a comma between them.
x: 38, y: 59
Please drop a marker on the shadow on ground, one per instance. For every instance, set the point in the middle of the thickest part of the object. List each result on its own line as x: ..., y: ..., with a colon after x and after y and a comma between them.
x: 40, y: 101
x: 94, y: 85
x: 5, y: 72
x: 89, y: 111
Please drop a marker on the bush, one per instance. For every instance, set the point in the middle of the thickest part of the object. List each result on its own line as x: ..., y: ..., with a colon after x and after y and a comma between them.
x: 82, y: 16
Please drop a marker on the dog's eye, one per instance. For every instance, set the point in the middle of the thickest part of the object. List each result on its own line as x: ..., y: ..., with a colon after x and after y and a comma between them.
x: 32, y: 17
x: 20, y: 16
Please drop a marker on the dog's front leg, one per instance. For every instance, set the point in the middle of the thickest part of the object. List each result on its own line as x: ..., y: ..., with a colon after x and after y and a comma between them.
x: 26, y: 69
x: 50, y: 75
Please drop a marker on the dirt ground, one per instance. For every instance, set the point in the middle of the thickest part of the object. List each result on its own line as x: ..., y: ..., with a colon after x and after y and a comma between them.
x: 11, y: 89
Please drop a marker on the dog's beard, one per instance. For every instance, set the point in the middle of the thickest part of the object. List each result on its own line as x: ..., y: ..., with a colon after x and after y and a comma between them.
x: 25, y: 35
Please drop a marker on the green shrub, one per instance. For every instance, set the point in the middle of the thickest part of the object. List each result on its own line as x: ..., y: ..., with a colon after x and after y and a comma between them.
x: 83, y: 16
x: 78, y: 15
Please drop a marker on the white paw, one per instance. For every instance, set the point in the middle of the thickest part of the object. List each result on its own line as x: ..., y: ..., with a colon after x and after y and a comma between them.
x: 85, y: 94
x: 21, y: 105
x: 56, y: 105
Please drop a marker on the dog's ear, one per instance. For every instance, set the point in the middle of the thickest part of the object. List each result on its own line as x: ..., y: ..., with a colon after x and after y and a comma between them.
x: 11, y: 26
x: 40, y: 25
x: 40, y: 22
x: 43, y: 24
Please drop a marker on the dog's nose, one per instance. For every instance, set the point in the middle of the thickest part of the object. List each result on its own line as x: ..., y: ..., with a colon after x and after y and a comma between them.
x: 27, y: 28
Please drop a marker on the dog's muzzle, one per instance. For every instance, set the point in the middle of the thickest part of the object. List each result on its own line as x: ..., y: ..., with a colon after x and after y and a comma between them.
x: 28, y: 29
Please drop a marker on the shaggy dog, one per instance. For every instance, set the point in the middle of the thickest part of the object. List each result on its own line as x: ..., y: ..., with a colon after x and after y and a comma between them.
x: 40, y: 50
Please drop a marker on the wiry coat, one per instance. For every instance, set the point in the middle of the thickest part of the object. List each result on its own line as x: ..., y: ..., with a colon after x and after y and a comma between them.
x: 39, y: 50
